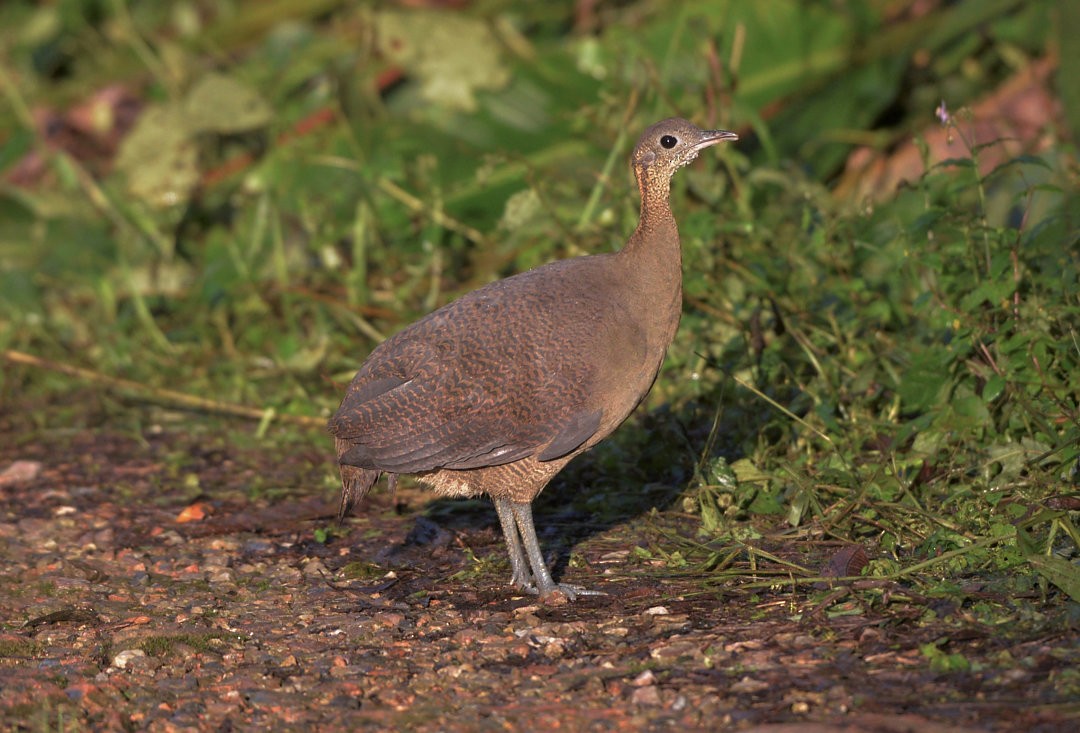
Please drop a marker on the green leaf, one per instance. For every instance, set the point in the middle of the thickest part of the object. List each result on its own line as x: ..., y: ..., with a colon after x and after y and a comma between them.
x: 1068, y: 44
x: 159, y: 158
x: 710, y: 513
x: 453, y: 55
x: 925, y: 381
x: 765, y: 502
x: 746, y: 472
x: 991, y: 291
x: 1062, y: 573
x: 221, y: 104
x: 970, y: 409
x: 993, y: 388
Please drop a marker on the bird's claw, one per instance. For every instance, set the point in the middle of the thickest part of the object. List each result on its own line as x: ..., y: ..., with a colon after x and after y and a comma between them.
x: 571, y: 592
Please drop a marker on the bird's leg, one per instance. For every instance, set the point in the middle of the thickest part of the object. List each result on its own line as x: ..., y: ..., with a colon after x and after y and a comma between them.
x: 545, y: 586
x: 520, y: 576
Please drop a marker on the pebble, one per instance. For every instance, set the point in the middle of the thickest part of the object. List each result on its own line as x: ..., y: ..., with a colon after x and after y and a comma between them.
x: 646, y: 696
x: 750, y: 685
x: 124, y: 658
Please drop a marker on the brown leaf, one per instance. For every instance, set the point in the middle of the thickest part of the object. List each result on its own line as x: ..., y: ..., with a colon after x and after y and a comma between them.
x: 847, y: 561
x: 1016, y: 114
x: 1064, y: 502
x: 194, y: 512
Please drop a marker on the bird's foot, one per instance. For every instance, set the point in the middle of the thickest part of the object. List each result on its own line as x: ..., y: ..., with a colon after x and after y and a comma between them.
x: 569, y: 592
x: 522, y: 580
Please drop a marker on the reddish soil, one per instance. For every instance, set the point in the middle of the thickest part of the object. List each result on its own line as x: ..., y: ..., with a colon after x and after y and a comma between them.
x: 114, y: 615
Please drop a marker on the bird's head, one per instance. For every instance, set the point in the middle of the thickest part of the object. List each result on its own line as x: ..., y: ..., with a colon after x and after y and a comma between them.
x: 672, y: 143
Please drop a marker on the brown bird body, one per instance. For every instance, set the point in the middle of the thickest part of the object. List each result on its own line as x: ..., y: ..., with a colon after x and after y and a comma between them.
x: 497, y: 391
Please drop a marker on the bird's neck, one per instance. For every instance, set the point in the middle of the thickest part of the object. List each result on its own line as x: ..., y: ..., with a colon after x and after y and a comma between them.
x: 653, y: 258
x: 656, y: 237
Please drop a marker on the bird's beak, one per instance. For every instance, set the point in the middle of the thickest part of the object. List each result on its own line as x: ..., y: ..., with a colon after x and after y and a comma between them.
x: 715, y: 136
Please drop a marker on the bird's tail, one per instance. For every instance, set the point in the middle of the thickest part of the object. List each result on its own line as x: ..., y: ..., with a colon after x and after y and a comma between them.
x: 355, y: 483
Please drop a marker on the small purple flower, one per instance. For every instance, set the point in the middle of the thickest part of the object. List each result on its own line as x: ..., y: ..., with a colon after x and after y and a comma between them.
x: 942, y: 113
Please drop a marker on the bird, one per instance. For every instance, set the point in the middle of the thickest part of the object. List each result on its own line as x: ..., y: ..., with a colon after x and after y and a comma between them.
x: 495, y: 392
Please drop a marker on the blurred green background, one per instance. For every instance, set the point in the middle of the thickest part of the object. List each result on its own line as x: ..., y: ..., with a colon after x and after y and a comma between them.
x: 237, y: 200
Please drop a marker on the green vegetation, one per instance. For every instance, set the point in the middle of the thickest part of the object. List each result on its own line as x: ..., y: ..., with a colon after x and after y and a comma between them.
x: 892, y: 367
x: 18, y: 648
x: 184, y: 644
x: 47, y: 716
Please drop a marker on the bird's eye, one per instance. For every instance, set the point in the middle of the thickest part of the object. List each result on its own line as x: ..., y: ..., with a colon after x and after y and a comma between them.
x: 668, y: 141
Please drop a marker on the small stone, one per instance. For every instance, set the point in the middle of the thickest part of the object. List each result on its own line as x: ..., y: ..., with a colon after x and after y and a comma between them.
x: 1013, y: 676
x: 870, y: 635
x: 453, y: 671
x: 557, y: 597
x: 671, y: 622
x: 125, y: 658
x: 644, y: 679
x: 20, y: 472
x: 555, y: 649
x: 257, y: 545
x: 803, y: 641
x: 340, y: 673
x: 656, y: 611
x: 220, y: 575
x: 390, y: 619
x: 171, y: 538
x: 315, y: 568
x: 677, y: 649
x: 646, y: 696
x: 749, y: 685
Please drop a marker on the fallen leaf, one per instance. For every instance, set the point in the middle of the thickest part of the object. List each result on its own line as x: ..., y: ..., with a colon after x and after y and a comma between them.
x: 194, y: 512
x: 845, y: 562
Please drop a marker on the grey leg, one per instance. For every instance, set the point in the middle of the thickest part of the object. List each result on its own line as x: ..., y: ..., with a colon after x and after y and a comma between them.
x: 545, y: 586
x: 520, y: 576
x: 523, y: 516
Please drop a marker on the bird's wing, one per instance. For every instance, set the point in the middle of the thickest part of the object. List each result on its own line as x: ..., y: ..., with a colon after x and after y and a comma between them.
x: 439, y: 395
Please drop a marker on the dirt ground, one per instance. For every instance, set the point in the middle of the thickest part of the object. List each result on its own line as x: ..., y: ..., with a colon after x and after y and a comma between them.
x: 117, y: 614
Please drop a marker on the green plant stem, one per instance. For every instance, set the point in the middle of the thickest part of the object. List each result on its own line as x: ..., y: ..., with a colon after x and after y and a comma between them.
x: 946, y: 556
x: 179, y: 399
x: 602, y: 181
